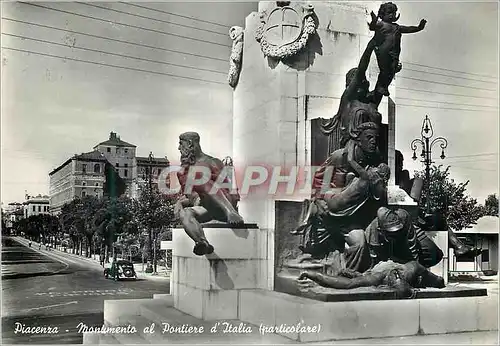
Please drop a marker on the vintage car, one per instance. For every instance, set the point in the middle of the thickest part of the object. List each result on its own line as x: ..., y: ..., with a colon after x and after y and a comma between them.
x: 120, y: 269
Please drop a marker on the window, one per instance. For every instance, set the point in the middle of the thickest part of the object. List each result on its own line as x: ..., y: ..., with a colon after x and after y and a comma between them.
x: 39, y: 208
x: 84, y: 183
x: 125, y: 164
x: 96, y: 184
x: 84, y: 193
x: 117, y: 150
x: 108, y: 150
x: 84, y: 168
x: 126, y: 151
x: 34, y: 208
x: 125, y: 172
x: 117, y: 164
x: 97, y: 168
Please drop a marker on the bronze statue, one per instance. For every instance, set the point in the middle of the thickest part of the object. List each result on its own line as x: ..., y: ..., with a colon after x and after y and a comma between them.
x: 404, y: 278
x: 341, y: 209
x: 387, y: 42
x: 371, y: 183
x: 207, y: 202
x: 394, y: 236
x: 357, y: 106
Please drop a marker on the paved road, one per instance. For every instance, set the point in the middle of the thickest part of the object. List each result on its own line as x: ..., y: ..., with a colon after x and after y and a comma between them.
x: 50, y: 288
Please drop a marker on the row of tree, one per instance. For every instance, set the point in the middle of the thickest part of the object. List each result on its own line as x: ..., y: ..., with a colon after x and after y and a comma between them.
x: 108, y: 225
x: 451, y: 198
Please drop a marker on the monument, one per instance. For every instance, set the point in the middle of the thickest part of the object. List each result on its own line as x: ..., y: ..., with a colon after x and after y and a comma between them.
x: 348, y: 247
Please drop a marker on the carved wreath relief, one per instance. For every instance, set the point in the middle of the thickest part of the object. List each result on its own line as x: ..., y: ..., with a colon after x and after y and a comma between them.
x: 236, y: 34
x: 285, y: 30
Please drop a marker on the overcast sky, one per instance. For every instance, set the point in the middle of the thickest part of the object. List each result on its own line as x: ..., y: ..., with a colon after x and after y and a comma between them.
x: 53, y: 108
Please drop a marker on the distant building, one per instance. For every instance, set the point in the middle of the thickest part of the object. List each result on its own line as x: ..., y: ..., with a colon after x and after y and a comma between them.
x: 13, y: 212
x: 482, y: 235
x: 112, y: 168
x: 36, y: 205
x: 81, y: 175
x: 144, y: 165
x: 121, y: 155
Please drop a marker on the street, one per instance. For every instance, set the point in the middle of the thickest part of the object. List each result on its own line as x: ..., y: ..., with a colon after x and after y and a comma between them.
x: 54, y: 289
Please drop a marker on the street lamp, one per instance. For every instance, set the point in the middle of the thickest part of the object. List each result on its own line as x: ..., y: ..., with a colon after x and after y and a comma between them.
x: 426, y: 154
x: 149, y: 268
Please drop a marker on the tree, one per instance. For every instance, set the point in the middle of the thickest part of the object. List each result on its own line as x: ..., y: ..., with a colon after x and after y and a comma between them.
x: 153, y: 212
x: 113, y: 220
x: 491, y: 205
x: 72, y: 220
x: 42, y: 227
x: 449, y: 198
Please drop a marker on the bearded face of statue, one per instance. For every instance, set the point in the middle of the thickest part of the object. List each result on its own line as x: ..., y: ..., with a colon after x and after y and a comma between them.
x: 368, y: 141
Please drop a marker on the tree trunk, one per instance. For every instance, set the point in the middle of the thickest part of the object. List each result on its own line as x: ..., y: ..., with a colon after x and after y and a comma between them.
x: 106, y: 253
x: 155, y: 236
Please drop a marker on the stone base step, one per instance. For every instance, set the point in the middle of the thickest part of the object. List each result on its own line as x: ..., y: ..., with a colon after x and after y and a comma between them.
x: 226, y: 332
x: 369, y: 318
x: 167, y: 297
x: 317, y: 320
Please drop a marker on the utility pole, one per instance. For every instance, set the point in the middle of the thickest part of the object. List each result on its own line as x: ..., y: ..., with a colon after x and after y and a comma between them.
x: 149, y: 268
x: 425, y: 142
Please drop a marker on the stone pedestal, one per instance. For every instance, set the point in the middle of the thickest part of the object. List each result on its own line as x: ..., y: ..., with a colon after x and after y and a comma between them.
x: 441, y: 240
x: 207, y: 287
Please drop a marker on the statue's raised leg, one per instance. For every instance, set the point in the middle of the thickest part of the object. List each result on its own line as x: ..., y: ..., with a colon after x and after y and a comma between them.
x: 191, y: 219
x: 216, y: 198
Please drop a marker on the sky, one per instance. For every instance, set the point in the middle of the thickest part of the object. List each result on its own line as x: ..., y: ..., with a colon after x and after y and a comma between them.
x: 167, y: 70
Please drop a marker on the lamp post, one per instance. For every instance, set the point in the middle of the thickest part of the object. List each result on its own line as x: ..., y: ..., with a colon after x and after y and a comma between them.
x: 426, y: 142
x: 149, y: 268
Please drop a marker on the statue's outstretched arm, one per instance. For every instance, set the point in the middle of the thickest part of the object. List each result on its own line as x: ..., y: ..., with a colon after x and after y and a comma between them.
x: 413, y: 29
x: 360, y: 74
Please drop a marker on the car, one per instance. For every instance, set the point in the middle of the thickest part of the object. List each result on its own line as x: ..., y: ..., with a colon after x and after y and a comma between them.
x: 121, y: 269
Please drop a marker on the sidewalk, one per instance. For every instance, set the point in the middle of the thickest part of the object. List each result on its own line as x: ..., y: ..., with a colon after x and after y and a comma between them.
x: 163, y: 274
x: 467, y: 338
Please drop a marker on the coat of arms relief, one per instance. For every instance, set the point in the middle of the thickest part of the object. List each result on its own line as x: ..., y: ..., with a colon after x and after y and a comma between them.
x: 285, y: 30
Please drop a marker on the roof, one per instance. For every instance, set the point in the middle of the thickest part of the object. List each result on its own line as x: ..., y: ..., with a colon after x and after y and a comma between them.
x: 156, y: 161
x: 114, y: 140
x: 485, y: 225
x: 94, y: 155
x: 38, y: 200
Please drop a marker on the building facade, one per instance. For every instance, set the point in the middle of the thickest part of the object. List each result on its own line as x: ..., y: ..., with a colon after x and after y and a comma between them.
x: 483, y: 235
x: 121, y: 155
x: 12, y: 213
x: 149, y: 171
x: 81, y: 175
x: 36, y: 206
x: 87, y: 174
